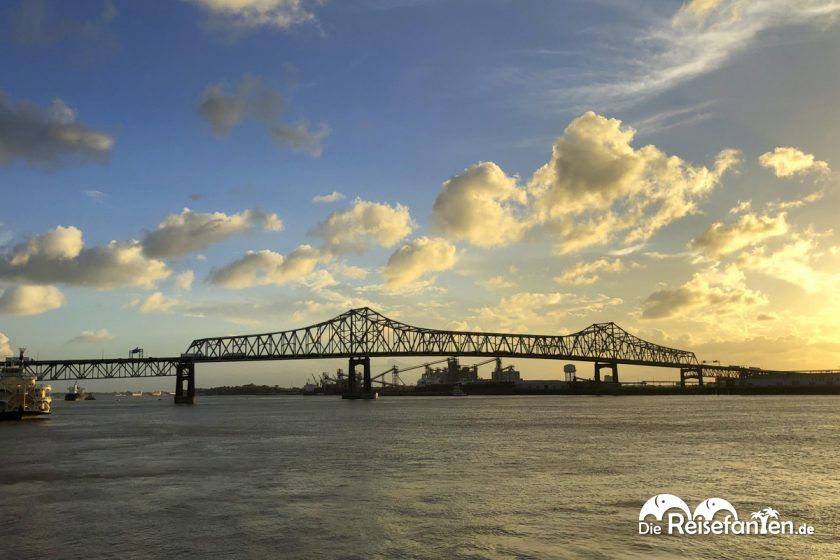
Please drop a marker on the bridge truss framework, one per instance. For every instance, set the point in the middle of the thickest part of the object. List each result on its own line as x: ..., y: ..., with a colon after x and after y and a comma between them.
x: 362, y: 334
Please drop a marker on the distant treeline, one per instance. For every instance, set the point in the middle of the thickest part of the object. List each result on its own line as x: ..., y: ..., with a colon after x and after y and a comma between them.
x: 249, y: 389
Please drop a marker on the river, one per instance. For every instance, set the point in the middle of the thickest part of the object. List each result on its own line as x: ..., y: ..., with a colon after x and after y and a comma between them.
x: 413, y: 477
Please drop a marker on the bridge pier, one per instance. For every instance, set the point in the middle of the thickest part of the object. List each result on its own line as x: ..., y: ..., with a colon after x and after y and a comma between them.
x: 691, y: 373
x: 352, y: 383
x: 612, y: 366
x: 185, y: 383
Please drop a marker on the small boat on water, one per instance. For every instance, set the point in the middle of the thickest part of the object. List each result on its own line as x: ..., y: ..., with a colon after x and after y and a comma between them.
x: 136, y: 393
x: 74, y: 393
x: 20, y: 394
x: 156, y: 393
x: 457, y: 391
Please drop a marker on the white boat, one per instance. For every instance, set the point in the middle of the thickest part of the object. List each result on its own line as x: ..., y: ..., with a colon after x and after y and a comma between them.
x: 20, y: 394
x: 74, y: 392
x: 137, y: 393
x: 156, y: 393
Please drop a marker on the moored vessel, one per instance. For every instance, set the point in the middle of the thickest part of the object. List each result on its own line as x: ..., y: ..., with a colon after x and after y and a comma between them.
x: 74, y: 393
x: 20, y: 394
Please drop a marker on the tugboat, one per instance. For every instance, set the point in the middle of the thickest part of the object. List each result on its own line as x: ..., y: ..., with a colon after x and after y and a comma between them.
x: 20, y: 395
x: 74, y: 393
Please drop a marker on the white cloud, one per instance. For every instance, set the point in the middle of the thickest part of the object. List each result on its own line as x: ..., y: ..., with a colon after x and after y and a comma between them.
x: 751, y: 229
x: 155, y: 303
x: 585, y: 273
x: 787, y: 162
x: 184, y: 281
x: 498, y: 283
x: 47, y: 135
x: 480, y: 206
x: 260, y: 268
x: 792, y: 263
x: 348, y: 271
x: 712, y: 292
x: 180, y: 234
x: 541, y: 312
x: 61, y: 243
x: 364, y: 225
x: 5, y: 346
x: 417, y: 258
x: 334, y: 196
x: 597, y: 185
x: 30, y: 300
x: 246, y: 14
x: 96, y: 196
x: 59, y: 256
x: 101, y: 335
x: 702, y: 36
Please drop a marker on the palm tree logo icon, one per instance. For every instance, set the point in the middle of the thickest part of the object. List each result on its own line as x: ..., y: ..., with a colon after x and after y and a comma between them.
x: 764, y: 515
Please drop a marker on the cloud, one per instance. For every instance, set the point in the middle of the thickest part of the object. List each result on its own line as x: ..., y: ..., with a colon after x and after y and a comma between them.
x: 260, y: 268
x: 30, y: 300
x: 250, y: 99
x: 155, y: 303
x: 701, y: 37
x: 334, y: 196
x: 597, y: 185
x: 102, y: 335
x: 180, y: 234
x: 184, y: 281
x: 417, y: 258
x: 751, y: 229
x: 96, y: 196
x: 59, y: 256
x: 498, y: 283
x: 364, y: 225
x: 301, y: 138
x: 61, y: 243
x: 348, y: 271
x: 792, y: 263
x: 714, y: 291
x: 787, y: 162
x: 584, y: 273
x: 5, y: 346
x: 480, y: 206
x: 47, y: 135
x: 543, y: 311
x: 224, y: 108
x: 33, y: 24
x: 249, y: 14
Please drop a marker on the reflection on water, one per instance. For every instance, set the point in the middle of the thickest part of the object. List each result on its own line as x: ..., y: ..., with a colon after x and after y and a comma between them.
x: 476, y: 477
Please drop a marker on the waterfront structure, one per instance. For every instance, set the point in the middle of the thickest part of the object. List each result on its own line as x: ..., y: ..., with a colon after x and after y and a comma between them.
x: 361, y: 334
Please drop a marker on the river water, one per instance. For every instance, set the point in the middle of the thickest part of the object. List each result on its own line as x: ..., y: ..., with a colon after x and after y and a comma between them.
x: 448, y: 477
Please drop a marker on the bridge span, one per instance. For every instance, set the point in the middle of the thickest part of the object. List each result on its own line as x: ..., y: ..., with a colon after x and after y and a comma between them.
x: 361, y: 334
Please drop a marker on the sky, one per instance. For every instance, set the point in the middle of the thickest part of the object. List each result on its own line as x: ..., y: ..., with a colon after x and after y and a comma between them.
x: 172, y: 170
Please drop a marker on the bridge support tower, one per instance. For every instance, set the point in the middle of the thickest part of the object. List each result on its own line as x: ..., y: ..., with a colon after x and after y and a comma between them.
x: 612, y: 366
x: 691, y: 373
x: 185, y: 383
x: 352, y: 383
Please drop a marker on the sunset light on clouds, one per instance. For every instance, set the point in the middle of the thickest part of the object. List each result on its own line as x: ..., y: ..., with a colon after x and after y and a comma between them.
x: 529, y: 167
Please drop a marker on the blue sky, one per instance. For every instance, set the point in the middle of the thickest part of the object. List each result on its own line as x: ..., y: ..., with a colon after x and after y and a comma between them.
x: 704, y: 218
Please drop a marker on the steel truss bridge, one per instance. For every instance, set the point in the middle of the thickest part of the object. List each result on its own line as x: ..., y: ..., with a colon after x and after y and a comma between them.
x: 361, y: 334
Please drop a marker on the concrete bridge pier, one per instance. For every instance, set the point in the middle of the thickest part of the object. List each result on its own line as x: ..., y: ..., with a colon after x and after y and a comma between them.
x: 185, y: 383
x: 612, y: 366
